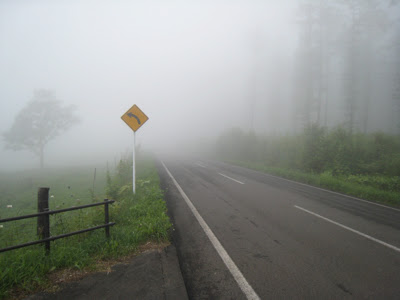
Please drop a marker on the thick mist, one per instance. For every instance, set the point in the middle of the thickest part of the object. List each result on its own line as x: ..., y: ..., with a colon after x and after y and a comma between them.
x: 195, y: 69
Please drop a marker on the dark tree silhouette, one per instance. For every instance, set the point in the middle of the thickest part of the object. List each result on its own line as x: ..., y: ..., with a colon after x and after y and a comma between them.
x: 40, y: 121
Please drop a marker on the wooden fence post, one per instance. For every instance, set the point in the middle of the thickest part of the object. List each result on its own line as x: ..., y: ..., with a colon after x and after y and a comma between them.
x: 43, y: 223
x: 107, y: 219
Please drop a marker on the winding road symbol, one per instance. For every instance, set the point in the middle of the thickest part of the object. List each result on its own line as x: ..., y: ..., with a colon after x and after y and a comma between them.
x: 131, y: 115
x: 134, y: 118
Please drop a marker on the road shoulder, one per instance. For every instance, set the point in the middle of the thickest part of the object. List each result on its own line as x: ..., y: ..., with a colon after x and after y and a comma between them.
x: 155, y: 274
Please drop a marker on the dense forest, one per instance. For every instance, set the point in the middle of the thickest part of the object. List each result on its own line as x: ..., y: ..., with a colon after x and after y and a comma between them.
x: 345, y: 71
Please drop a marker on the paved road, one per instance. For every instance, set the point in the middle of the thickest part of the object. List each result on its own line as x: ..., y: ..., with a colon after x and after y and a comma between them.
x: 287, y: 240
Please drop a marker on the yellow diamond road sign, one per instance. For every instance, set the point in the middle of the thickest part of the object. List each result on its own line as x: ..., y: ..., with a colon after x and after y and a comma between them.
x: 134, y: 117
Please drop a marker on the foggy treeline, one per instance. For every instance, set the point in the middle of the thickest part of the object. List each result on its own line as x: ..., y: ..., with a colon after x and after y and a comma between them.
x: 335, y: 109
x: 345, y: 71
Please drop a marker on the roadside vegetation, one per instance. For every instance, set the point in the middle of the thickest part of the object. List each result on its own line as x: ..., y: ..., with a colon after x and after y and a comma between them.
x: 361, y: 165
x: 139, y: 218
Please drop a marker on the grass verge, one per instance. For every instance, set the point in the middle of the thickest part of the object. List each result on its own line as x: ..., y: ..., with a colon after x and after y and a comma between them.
x: 344, y: 184
x: 140, y: 219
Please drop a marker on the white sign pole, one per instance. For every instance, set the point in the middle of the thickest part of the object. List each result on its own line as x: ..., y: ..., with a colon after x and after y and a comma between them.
x: 134, y: 118
x: 134, y: 164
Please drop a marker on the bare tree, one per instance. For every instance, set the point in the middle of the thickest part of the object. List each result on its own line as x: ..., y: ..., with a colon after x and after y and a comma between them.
x: 317, y: 31
x: 304, y: 77
x: 367, y: 23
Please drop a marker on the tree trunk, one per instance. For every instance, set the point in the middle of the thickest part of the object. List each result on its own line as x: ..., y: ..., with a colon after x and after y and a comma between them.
x: 351, y: 70
x: 41, y: 156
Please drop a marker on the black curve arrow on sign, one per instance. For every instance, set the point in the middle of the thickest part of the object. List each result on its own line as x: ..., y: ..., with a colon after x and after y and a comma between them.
x: 131, y: 115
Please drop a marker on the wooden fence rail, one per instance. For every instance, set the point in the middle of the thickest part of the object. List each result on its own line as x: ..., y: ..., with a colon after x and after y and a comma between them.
x: 43, y: 225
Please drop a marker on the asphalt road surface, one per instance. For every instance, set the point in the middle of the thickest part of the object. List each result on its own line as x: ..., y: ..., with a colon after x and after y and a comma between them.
x: 242, y: 234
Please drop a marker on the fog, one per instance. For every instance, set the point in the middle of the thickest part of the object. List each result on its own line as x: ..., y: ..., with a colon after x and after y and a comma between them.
x: 195, y: 68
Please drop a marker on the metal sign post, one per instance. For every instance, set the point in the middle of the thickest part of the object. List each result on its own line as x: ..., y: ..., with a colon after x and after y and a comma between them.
x: 134, y: 118
x: 134, y: 164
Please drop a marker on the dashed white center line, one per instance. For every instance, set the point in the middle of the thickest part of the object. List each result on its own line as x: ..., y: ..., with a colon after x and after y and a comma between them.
x: 351, y: 229
x: 229, y: 263
x: 231, y: 178
x: 200, y: 164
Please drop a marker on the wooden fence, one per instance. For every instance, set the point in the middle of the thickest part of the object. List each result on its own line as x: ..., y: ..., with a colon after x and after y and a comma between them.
x: 43, y: 221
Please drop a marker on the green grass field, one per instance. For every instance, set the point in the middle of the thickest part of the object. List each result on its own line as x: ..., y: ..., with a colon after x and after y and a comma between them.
x: 67, y: 186
x: 139, y: 218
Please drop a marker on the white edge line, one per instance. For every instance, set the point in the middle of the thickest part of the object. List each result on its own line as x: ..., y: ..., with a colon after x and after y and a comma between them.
x: 200, y: 165
x: 237, y: 275
x: 351, y: 229
x: 231, y: 178
x: 321, y: 189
